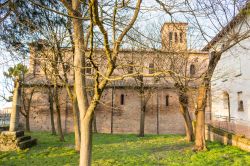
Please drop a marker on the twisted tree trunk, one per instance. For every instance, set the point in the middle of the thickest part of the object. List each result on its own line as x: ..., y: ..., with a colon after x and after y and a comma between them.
x: 200, y: 143
x: 183, y: 98
x: 203, y: 90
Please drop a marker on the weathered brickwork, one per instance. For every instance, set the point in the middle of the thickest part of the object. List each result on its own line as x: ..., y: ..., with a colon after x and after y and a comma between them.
x: 162, y: 106
x: 126, y: 117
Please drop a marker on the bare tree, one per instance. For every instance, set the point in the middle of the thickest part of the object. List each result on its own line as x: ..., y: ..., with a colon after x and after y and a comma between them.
x: 228, y: 19
x: 26, y: 104
x: 100, y: 78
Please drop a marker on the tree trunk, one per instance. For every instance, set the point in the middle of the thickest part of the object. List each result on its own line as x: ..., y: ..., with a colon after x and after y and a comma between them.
x: 86, y: 142
x: 16, y: 105
x: 200, y: 143
x: 76, y: 124
x: 51, y: 110
x: 143, y: 106
x: 94, y: 123
x: 157, y: 115
x: 27, y: 119
x: 185, y: 113
x: 112, y: 112
x: 58, y: 117
x: 76, y: 116
x: 183, y: 99
x: 142, y: 120
x: 80, y: 86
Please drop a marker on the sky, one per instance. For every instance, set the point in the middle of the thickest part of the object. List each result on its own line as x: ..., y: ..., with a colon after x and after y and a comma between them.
x: 150, y: 15
x: 5, y: 63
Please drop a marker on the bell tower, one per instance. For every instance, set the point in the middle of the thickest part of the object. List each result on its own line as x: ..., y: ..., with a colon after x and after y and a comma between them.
x: 174, y: 36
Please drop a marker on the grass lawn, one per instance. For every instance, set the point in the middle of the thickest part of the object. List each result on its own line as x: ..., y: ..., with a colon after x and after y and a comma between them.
x: 118, y: 149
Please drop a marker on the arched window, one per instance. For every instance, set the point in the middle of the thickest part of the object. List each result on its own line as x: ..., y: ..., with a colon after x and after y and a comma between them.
x: 176, y: 37
x: 151, y: 68
x: 226, y: 100
x: 226, y: 103
x: 240, y: 102
x: 181, y: 37
x: 167, y: 100
x: 192, y: 69
x: 170, y: 38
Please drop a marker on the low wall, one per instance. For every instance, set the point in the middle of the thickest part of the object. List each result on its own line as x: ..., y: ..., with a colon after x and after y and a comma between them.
x: 227, y: 138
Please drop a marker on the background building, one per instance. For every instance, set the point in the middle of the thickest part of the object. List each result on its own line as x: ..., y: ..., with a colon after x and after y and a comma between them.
x: 231, y: 79
x: 120, y: 104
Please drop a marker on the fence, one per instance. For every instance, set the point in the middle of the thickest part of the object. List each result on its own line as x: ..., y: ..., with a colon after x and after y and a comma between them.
x: 232, y: 124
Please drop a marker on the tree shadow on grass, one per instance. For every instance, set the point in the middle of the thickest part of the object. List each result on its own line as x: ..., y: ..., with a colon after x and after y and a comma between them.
x: 102, y: 139
x: 173, y: 147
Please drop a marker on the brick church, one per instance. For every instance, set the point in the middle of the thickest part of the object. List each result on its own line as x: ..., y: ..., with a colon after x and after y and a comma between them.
x: 120, y: 106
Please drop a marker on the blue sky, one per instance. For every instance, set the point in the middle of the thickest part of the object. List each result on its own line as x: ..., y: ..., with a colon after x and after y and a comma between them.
x: 149, y: 16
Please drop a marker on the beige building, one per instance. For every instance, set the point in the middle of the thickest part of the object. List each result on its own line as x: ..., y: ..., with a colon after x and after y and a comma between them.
x: 120, y: 104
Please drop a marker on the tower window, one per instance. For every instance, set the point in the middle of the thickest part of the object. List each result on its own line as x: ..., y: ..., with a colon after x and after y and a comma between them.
x: 151, y: 68
x: 176, y: 37
x: 170, y: 38
x: 181, y: 37
x: 167, y: 100
x: 122, y: 99
x: 192, y: 69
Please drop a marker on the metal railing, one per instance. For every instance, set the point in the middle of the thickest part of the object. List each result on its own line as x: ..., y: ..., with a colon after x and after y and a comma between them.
x: 232, y: 124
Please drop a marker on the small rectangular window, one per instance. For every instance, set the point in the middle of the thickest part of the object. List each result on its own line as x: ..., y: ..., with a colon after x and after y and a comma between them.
x: 122, y: 99
x: 192, y: 70
x: 240, y: 102
x: 130, y: 68
x: 167, y: 100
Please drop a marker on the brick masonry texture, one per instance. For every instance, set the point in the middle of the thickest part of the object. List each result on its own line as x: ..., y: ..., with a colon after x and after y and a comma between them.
x: 126, y: 118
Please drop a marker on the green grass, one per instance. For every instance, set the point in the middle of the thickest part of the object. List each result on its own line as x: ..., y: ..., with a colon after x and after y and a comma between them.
x: 115, y: 150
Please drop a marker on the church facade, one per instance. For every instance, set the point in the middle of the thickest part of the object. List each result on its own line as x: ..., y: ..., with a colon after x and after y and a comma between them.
x: 120, y: 107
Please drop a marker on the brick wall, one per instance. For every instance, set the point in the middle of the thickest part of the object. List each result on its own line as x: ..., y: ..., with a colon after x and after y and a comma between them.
x: 126, y: 118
